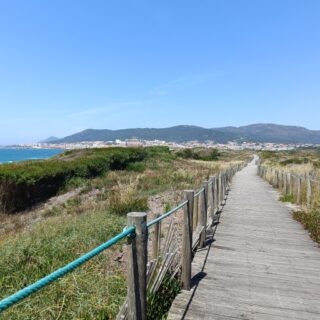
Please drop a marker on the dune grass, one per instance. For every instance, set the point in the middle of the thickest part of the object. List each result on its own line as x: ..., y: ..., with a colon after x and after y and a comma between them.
x: 93, y: 291
x: 64, y: 232
x: 300, y: 162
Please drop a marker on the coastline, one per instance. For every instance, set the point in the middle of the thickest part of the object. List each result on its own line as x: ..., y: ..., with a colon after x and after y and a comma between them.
x: 16, y: 154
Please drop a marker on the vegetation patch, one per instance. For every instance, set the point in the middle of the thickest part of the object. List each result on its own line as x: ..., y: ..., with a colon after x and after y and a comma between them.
x: 93, y: 291
x: 159, y: 304
x: 287, y: 198
x: 199, y: 154
x: 310, y: 221
x: 25, y: 184
x: 31, y: 249
x: 294, y: 161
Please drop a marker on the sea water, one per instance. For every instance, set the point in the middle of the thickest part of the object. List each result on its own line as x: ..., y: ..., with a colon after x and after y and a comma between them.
x: 15, y: 154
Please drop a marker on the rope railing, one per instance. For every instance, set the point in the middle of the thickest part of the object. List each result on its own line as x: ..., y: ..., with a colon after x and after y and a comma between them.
x: 199, y: 209
x: 165, y: 215
x: 35, y: 287
x: 198, y: 193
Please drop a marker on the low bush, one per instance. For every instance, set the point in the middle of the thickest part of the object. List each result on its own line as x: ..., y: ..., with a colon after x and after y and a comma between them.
x: 136, y: 167
x: 310, y: 221
x: 25, y: 184
x: 125, y: 206
x: 294, y: 161
x: 287, y: 198
x: 199, y: 154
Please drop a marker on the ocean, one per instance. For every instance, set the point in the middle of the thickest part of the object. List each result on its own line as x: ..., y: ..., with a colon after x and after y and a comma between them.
x: 15, y: 155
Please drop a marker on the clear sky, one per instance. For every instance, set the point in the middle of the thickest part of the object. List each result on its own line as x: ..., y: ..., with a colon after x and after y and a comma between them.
x: 69, y: 65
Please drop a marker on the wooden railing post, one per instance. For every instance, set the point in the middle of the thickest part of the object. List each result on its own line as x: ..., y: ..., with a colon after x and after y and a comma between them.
x: 203, y: 214
x: 218, y: 191
x: 223, y: 185
x: 211, y: 196
x: 156, y: 238
x: 137, y: 266
x: 187, y: 240
x: 298, y: 190
x: 216, y: 195
x: 195, y: 212
x: 284, y: 183
x: 290, y: 183
x: 309, y: 192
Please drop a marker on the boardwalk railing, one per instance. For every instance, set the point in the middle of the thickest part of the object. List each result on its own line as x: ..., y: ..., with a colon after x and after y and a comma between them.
x: 303, y: 188
x: 173, y: 246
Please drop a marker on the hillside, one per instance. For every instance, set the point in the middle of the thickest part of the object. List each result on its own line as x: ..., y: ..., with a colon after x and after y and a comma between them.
x: 253, y: 133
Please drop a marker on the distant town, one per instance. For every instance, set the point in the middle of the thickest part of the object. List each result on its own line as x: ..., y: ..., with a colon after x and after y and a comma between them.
x: 173, y: 145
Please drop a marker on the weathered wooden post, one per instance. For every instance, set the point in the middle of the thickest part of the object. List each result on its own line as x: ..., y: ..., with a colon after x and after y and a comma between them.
x: 216, y: 194
x: 284, y: 183
x: 298, y: 190
x: 187, y: 240
x: 211, y: 196
x: 218, y: 191
x: 195, y: 212
x: 137, y: 266
x: 290, y: 183
x: 277, y: 178
x: 309, y: 192
x: 221, y: 188
x: 156, y: 238
x: 203, y: 214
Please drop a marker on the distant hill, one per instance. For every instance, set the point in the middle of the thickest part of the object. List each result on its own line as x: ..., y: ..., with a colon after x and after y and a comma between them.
x: 50, y: 139
x: 252, y: 133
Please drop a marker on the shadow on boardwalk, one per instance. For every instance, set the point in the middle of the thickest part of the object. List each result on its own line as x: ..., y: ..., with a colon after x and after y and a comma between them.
x: 258, y: 263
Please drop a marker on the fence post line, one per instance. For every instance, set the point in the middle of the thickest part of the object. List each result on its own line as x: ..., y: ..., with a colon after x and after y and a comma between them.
x: 187, y: 240
x: 137, y: 266
x: 156, y: 238
x: 203, y: 214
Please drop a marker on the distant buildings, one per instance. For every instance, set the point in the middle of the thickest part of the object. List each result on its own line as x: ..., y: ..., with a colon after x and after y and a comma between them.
x: 173, y: 145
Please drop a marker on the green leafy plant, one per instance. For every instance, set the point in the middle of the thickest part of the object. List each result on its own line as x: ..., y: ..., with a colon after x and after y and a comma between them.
x: 159, y: 304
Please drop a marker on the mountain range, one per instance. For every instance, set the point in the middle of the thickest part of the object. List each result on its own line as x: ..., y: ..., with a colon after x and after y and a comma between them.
x: 252, y: 133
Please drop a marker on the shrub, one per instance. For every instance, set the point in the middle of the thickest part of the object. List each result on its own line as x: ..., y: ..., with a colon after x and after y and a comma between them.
x: 199, y: 154
x: 136, y: 167
x: 25, y: 184
x: 294, y: 161
x: 310, y: 221
x: 131, y: 204
x: 287, y: 198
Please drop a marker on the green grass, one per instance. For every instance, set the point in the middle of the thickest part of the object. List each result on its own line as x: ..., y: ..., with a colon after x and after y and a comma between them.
x: 300, y: 162
x: 27, y: 183
x: 159, y: 304
x: 287, y: 198
x: 93, y: 291
x: 97, y: 289
x: 310, y: 221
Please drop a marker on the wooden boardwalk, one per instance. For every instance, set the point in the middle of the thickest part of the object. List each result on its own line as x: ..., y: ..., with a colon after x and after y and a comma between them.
x: 261, y: 264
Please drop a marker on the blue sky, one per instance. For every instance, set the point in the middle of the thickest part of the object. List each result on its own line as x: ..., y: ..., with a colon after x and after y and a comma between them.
x: 70, y: 65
